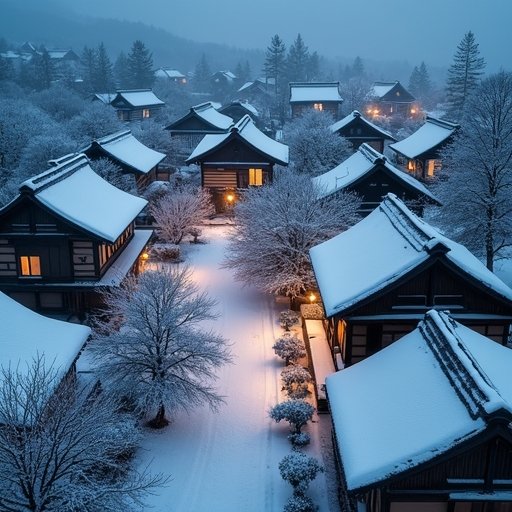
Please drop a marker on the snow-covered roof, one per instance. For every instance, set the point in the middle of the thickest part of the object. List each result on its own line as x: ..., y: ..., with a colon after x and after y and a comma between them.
x: 139, y: 97
x: 380, y: 89
x: 364, y: 160
x: 428, y: 391
x: 60, y: 54
x: 168, y: 73
x: 245, y: 86
x: 25, y: 335
x: 72, y: 190
x: 320, y: 91
x: 246, y: 130
x: 427, y: 137
x: 105, y: 97
x: 243, y: 104
x: 125, y: 148
x: 354, y: 115
x: 209, y: 113
x: 349, y: 269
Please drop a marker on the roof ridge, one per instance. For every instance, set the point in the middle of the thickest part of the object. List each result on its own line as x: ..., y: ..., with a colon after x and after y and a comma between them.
x: 372, y: 154
x: 404, y: 222
x: 242, y: 123
x: 113, y: 137
x: 313, y: 84
x: 449, y: 125
x: 55, y: 174
x: 133, y: 90
x: 466, y: 376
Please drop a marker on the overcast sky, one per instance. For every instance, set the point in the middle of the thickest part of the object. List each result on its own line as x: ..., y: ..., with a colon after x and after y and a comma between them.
x: 412, y: 30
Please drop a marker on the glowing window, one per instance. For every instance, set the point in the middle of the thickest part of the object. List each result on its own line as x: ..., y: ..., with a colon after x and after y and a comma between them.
x: 145, y: 112
x: 318, y: 106
x: 30, y: 265
x: 255, y: 177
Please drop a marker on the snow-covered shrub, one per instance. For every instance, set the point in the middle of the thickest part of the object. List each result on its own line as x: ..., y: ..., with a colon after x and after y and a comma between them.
x: 301, y: 439
x: 166, y: 252
x: 295, y: 380
x: 195, y: 232
x: 312, y: 311
x: 298, y: 502
x: 288, y: 319
x: 296, y: 412
x: 299, y: 470
x: 290, y: 348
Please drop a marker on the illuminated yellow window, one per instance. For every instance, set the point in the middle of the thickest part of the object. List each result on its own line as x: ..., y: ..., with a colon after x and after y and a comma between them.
x: 255, y: 177
x: 410, y: 165
x: 145, y: 112
x: 30, y: 265
x: 318, y: 106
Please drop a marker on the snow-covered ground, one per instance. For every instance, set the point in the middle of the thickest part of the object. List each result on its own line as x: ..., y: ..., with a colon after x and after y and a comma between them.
x: 228, y: 461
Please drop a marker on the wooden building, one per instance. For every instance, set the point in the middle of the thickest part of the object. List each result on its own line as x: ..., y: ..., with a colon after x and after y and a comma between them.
x: 420, y: 153
x: 67, y: 235
x: 379, y: 277
x: 320, y: 96
x: 199, y: 121
x: 424, y: 425
x: 133, y: 157
x: 371, y: 176
x: 358, y: 130
x: 391, y: 99
x: 238, y: 109
x: 171, y: 75
x: 258, y: 91
x: 136, y: 104
x: 241, y: 158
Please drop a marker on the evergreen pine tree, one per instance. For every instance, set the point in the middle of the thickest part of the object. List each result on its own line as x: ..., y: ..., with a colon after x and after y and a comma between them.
x: 88, y: 60
x: 357, y: 68
x: 6, y: 69
x: 202, y: 75
x: 297, y: 61
x: 103, y: 75
x: 140, y: 67
x: 313, y: 68
x: 425, y: 85
x: 121, y: 72
x: 275, y: 62
x: 463, y: 75
x: 414, y: 82
x: 43, y: 70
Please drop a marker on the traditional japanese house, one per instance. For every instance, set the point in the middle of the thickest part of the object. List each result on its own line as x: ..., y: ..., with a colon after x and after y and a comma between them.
x: 238, y: 109
x: 66, y: 63
x: 391, y: 99
x: 379, y: 277
x: 67, y: 235
x: 133, y: 157
x: 420, y: 153
x: 320, y: 96
x: 201, y: 120
x: 105, y: 97
x: 424, y: 425
x: 241, y: 158
x: 257, y: 91
x: 371, y: 176
x: 171, y: 75
x: 25, y: 335
x: 136, y: 104
x: 358, y: 130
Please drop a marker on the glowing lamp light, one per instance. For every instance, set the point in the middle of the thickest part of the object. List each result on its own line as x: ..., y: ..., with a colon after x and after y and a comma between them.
x: 413, y: 111
x: 230, y: 198
x: 312, y: 297
x: 145, y: 256
x: 375, y: 111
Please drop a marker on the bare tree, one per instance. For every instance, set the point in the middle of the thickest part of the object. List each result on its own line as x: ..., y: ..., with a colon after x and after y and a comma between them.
x: 180, y: 210
x: 275, y: 227
x: 314, y: 148
x: 476, y: 182
x: 160, y: 359
x: 62, y: 449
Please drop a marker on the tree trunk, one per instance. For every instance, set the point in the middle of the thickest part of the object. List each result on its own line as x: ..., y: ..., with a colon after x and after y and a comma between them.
x: 159, y: 421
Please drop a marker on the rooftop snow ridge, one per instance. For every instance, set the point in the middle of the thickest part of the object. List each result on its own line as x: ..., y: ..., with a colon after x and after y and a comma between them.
x: 242, y: 123
x: 63, y: 167
x: 404, y: 222
x: 203, y: 106
x: 372, y: 154
x: 113, y: 137
x: 448, y: 125
x: 121, y: 91
x: 466, y: 376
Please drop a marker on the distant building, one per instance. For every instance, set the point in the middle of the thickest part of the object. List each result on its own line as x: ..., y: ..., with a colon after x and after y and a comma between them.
x: 420, y: 153
x: 371, y: 176
x: 133, y: 157
x: 358, y: 130
x: 173, y: 75
x: 66, y: 236
x: 424, y: 425
x: 240, y: 158
x: 257, y: 91
x: 378, y: 278
x: 136, y: 104
x: 238, y: 109
x: 391, y: 99
x: 320, y: 96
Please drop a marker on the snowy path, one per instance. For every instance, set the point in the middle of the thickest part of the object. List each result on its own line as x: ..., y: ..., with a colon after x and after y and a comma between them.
x: 228, y: 461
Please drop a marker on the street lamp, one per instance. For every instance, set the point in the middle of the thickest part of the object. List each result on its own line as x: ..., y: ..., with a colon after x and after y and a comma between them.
x: 312, y: 297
